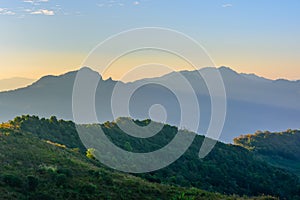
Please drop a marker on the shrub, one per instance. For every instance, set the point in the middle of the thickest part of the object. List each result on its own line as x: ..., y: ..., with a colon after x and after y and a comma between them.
x: 47, y: 168
x: 90, y: 153
x: 107, y: 178
x: 61, y: 179
x: 32, y: 183
x: 65, y: 171
x: 88, y: 189
x: 40, y: 196
x: 12, y: 180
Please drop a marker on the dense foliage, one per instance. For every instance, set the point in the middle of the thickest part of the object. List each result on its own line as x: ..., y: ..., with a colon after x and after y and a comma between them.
x: 227, y: 169
x: 58, y: 131
x: 281, y: 149
x: 34, y: 169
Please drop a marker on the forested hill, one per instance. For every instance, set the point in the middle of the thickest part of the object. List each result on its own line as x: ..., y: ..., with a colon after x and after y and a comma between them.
x: 281, y: 149
x: 228, y: 169
x: 35, y: 169
x: 59, y: 131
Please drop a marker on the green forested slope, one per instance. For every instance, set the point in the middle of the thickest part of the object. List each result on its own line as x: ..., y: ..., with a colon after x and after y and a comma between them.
x: 35, y: 169
x: 281, y: 149
x: 227, y: 169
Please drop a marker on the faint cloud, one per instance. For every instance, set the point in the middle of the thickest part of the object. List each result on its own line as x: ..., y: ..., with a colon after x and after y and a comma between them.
x: 5, y: 11
x: 136, y: 3
x: 36, y: 7
x: 43, y: 12
x: 111, y: 3
x: 35, y: 1
x: 28, y: 1
x: 227, y: 5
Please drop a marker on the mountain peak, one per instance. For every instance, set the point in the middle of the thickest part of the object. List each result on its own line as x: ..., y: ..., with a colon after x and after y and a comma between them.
x: 85, y: 68
x: 227, y: 69
x: 110, y: 79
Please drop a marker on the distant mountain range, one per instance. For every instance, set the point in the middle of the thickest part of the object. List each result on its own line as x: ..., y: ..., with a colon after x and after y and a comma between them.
x: 14, y: 83
x: 253, y: 103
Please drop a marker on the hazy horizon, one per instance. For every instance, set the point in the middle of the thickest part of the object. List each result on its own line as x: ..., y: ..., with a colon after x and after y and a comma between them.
x: 250, y: 37
x: 12, y: 83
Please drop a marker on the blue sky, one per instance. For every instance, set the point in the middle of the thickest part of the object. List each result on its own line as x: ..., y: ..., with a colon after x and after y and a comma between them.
x: 54, y: 36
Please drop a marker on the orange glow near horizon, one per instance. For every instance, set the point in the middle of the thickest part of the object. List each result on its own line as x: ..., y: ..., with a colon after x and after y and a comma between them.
x: 35, y: 66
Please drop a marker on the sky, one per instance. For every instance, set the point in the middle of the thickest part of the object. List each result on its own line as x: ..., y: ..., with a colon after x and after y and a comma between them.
x: 41, y: 37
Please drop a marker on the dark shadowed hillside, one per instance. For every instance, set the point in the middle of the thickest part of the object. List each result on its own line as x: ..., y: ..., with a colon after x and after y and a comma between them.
x: 35, y: 169
x: 281, y: 149
x: 227, y: 169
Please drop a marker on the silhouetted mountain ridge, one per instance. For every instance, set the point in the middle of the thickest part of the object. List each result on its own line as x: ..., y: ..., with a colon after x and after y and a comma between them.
x: 14, y: 83
x: 252, y: 103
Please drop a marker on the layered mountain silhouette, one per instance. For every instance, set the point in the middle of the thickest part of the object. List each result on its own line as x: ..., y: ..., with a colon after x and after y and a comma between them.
x: 253, y: 103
